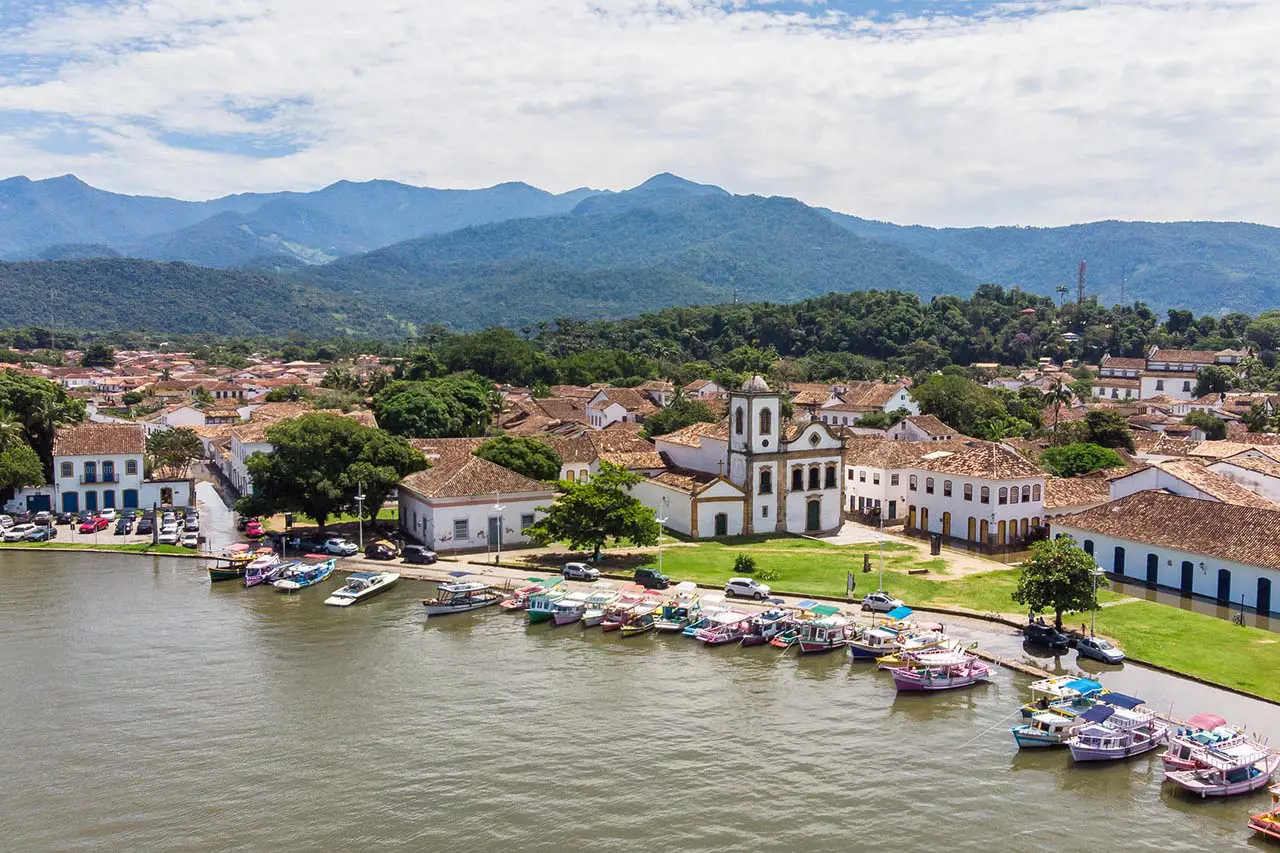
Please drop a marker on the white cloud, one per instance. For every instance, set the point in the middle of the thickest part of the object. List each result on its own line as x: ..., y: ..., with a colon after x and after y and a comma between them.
x: 1156, y: 109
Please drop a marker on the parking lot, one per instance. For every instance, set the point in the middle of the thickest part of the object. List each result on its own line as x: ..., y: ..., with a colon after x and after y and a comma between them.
x: 108, y: 535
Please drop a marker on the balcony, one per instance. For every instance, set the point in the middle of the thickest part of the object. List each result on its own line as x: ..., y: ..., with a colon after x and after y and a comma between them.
x: 93, y: 480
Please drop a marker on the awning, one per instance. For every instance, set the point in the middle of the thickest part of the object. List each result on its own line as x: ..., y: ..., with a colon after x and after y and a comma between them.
x: 1207, y: 722
x: 1097, y: 714
x: 1084, y: 686
x: 898, y: 614
x: 824, y: 609
x: 1120, y: 700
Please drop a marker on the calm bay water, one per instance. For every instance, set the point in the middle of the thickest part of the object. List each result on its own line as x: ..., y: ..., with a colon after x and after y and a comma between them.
x: 144, y: 709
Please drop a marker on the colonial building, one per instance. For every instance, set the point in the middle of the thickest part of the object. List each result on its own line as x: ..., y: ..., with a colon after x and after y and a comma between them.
x: 876, y: 474
x: 1226, y: 552
x: 1187, y: 478
x: 922, y: 428
x: 618, y: 405
x: 1254, y: 470
x: 751, y: 473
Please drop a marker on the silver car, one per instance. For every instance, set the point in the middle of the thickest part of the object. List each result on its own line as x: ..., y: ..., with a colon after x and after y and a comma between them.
x: 1099, y: 649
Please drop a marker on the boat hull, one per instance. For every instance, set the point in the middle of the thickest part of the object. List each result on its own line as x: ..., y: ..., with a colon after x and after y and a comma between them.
x: 1266, y: 824
x: 536, y: 616
x: 444, y: 609
x: 591, y: 620
x: 336, y: 600
x: 1089, y: 753
x: 1037, y: 740
x: 567, y: 617
x: 633, y: 630
x: 1187, y: 781
x: 226, y: 574
x: 867, y: 653
x: 810, y: 648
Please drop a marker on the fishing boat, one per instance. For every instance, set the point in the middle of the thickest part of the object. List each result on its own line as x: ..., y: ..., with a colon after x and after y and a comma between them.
x: 230, y: 564
x: 569, y: 609
x: 602, y: 594
x: 460, y: 597
x: 680, y: 609
x: 619, y: 610
x: 1199, y: 732
x: 1045, y: 729
x: 304, y: 575
x: 708, y: 606
x: 1110, y: 733
x: 1242, y: 769
x: 932, y: 671
x: 253, y: 578
x: 905, y: 656
x: 641, y: 619
x: 362, y: 585
x: 873, y: 644
x: 1267, y: 824
x: 263, y: 568
x: 723, y: 627
x: 519, y: 599
x: 763, y: 627
x: 1068, y: 696
x: 825, y: 633
x: 542, y: 605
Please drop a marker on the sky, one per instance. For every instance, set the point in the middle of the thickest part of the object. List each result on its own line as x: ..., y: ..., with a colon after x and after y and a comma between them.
x: 938, y: 112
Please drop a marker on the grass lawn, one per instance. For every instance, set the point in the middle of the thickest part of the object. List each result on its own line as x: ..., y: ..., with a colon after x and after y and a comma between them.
x: 389, y: 514
x: 135, y: 548
x: 1197, y: 644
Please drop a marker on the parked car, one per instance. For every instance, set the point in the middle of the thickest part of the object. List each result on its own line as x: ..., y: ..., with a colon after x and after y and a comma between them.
x: 109, y: 513
x: 296, y: 545
x: 168, y: 516
x: 42, y: 517
x: 6, y: 521
x: 580, y: 572
x: 18, y: 532
x: 93, y: 525
x: 191, y: 523
x: 22, y: 517
x: 254, y: 530
x: 652, y: 579
x: 1099, y: 649
x: 1046, y: 636
x: 168, y: 537
x: 747, y: 588
x: 191, y: 540
x: 382, y: 549
x: 43, y: 533
x: 880, y: 602
x: 243, y: 522
x: 66, y: 518
x: 419, y: 555
x: 145, y: 527
x: 123, y: 525
x: 84, y: 515
x: 339, y: 547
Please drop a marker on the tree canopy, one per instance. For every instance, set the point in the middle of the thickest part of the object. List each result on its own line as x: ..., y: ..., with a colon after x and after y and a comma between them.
x: 41, y: 407
x: 1107, y: 429
x: 98, y: 355
x: 1073, y: 460
x: 20, y: 467
x: 1215, y: 429
x: 450, y: 407
x: 1058, y: 576
x: 586, y: 515
x: 318, y: 462
x: 170, y: 452
x: 527, y: 456
x: 679, y: 414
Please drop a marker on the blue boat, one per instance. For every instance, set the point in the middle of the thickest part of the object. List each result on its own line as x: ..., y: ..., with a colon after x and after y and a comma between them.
x: 304, y: 575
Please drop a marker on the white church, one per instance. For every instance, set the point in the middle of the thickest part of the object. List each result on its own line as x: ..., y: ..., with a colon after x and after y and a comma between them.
x: 750, y: 473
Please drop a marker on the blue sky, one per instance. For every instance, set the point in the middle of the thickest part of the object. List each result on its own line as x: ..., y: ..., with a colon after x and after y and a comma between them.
x: 945, y: 112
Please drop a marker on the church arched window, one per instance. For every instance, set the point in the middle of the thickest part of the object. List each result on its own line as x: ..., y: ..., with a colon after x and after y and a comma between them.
x: 766, y: 422
x: 738, y: 419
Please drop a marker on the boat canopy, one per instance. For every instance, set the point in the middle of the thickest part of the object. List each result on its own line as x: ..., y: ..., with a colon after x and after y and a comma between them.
x: 684, y: 588
x: 1097, y: 714
x: 899, y: 614
x: 1049, y: 718
x: 1120, y: 700
x: 824, y: 610
x: 458, y: 574
x: 469, y: 586
x: 1206, y: 722
x: 806, y: 604
x: 362, y: 576
x: 943, y: 658
x: 1084, y: 686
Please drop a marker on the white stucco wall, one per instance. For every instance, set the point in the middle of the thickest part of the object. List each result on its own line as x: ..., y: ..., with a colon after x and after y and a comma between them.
x: 1254, y: 481
x: 432, y: 522
x: 962, y: 510
x: 677, y: 509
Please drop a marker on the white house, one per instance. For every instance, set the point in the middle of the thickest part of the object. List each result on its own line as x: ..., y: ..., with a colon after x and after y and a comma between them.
x: 246, y: 440
x: 985, y: 493
x: 704, y: 389
x: 465, y: 503
x: 1254, y: 470
x: 922, y: 428
x: 876, y: 474
x: 100, y: 466
x: 1222, y: 551
x: 618, y: 405
x: 1188, y: 479
x: 780, y: 476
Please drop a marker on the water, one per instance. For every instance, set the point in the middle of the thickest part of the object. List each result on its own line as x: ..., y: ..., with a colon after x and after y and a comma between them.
x: 144, y: 709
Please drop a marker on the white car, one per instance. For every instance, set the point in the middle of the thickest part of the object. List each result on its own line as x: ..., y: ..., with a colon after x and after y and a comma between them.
x: 169, y: 527
x: 580, y: 572
x: 169, y: 537
x: 18, y: 532
x: 747, y: 588
x: 340, y: 547
x: 191, y: 540
x: 6, y: 521
x: 880, y: 602
x: 109, y: 514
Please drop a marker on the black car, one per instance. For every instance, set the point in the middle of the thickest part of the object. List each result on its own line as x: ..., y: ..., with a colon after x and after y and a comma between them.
x: 652, y: 579
x: 66, y: 518
x: 123, y: 525
x: 295, y: 545
x: 419, y: 555
x: 1046, y: 636
x: 85, y: 515
x: 145, y: 527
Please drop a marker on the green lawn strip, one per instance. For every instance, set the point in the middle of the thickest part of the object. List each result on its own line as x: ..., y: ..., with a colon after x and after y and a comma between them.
x: 1198, y: 644
x: 136, y: 547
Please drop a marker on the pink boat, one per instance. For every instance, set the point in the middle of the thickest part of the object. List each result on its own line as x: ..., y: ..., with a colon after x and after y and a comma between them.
x: 725, y: 627
x: 940, y: 671
x: 1201, y: 731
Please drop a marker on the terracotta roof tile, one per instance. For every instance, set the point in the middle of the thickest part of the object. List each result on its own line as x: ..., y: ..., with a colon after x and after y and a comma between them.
x: 1243, y: 534
x: 984, y: 459
x: 1062, y: 492
x: 463, y: 475
x: 1264, y: 465
x: 1184, y: 356
x: 685, y: 480
x: 89, y: 439
x: 931, y: 425
x: 693, y: 434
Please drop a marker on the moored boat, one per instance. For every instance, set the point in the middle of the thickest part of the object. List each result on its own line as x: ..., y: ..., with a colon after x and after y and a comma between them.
x: 708, y: 606
x: 542, y: 605
x: 460, y: 597
x: 602, y: 594
x: 519, y: 599
x: 679, y: 610
x: 1200, y: 732
x: 252, y: 578
x: 1114, y: 732
x: 1046, y: 729
x: 304, y: 575
x: 1068, y: 695
x: 641, y: 619
x: 873, y: 644
x: 230, y: 564
x: 829, y: 631
x: 361, y: 585
x: 263, y: 568
x: 619, y: 610
x: 723, y: 627
x: 932, y: 671
x: 1267, y: 824
x: 569, y: 609
x: 763, y: 627
x: 1242, y: 769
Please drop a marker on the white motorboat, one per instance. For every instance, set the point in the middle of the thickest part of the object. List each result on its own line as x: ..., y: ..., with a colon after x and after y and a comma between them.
x: 460, y: 597
x: 361, y: 585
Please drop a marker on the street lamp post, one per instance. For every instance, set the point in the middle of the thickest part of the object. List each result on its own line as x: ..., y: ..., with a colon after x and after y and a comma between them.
x: 1093, y: 612
x: 662, y: 523
x: 498, y: 507
x: 880, y: 544
x: 360, y: 510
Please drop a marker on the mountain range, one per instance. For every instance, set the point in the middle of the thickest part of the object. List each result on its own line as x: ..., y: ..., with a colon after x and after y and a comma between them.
x: 382, y: 257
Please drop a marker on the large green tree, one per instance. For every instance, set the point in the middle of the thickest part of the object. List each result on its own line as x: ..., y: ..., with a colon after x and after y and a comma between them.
x: 20, y: 467
x: 318, y: 462
x: 1058, y: 576
x: 586, y: 515
x: 41, y: 406
x: 1215, y: 379
x: 679, y: 414
x: 1215, y: 429
x: 98, y: 355
x: 1072, y: 460
x: 437, y: 408
x: 1108, y: 429
x: 961, y: 403
x: 525, y: 455
x: 172, y: 451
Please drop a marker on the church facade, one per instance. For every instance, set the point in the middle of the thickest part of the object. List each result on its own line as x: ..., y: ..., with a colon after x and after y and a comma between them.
x: 753, y: 472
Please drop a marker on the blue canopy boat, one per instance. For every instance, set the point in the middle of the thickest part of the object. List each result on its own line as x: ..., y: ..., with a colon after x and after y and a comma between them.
x: 305, y: 575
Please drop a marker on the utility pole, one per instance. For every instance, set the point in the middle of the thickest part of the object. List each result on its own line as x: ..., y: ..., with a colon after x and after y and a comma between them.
x: 662, y: 522
x: 360, y: 510
x: 1124, y: 277
x: 498, y: 507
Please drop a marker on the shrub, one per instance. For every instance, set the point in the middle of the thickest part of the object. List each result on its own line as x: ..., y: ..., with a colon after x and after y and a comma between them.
x: 767, y: 575
x: 744, y: 565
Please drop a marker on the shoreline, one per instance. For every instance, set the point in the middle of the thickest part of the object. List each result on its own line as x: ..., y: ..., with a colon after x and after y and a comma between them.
x: 508, y: 575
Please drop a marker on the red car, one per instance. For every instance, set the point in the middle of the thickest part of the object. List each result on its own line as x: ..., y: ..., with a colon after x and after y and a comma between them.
x: 254, y: 530
x: 94, y: 524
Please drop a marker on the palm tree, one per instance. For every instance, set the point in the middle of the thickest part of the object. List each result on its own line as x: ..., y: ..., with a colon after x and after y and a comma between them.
x: 11, y: 430
x: 1058, y: 393
x: 42, y: 422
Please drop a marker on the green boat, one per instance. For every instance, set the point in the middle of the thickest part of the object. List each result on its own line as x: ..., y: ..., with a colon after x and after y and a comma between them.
x: 229, y: 568
x: 542, y: 605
